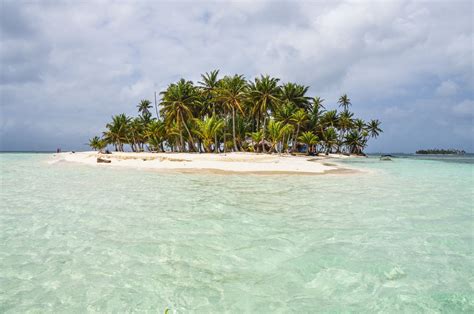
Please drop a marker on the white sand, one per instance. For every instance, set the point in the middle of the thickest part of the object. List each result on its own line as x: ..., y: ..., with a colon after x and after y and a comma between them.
x: 230, y: 162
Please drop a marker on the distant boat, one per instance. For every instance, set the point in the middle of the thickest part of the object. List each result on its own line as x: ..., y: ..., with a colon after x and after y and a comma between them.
x: 386, y: 157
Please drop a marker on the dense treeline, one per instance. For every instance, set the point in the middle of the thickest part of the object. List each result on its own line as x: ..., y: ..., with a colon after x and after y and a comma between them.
x: 438, y: 151
x: 233, y: 114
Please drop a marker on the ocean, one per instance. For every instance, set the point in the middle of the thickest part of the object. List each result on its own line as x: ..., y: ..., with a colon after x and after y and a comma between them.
x: 399, y: 238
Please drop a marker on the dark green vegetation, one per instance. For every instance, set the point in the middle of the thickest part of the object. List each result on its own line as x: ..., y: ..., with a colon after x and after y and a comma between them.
x: 233, y: 114
x: 437, y: 151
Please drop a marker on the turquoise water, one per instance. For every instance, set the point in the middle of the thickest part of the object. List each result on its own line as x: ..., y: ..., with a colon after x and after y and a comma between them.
x: 76, y: 238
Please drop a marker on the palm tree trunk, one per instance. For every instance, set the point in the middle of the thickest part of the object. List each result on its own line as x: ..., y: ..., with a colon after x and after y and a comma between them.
x: 296, y: 137
x: 283, y: 143
x: 263, y: 135
x: 216, y: 150
x: 233, y: 129
x: 189, y: 133
x: 181, y: 140
x: 225, y: 126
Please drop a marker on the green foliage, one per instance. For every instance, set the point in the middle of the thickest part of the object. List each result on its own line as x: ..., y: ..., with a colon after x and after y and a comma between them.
x: 231, y: 113
x: 438, y: 151
x: 207, y: 130
x: 308, y: 138
x: 96, y: 143
x: 277, y: 130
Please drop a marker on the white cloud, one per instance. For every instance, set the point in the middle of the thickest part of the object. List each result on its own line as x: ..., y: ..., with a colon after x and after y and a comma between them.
x: 465, y: 109
x: 447, y: 88
x: 86, y: 60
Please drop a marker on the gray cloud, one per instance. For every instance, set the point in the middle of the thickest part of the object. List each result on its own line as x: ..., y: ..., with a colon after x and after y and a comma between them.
x: 67, y: 67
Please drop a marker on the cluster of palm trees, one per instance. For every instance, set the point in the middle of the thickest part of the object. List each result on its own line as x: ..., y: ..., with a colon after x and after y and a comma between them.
x: 233, y: 114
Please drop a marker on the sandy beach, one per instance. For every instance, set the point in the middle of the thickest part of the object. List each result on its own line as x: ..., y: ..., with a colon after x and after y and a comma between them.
x: 225, y: 163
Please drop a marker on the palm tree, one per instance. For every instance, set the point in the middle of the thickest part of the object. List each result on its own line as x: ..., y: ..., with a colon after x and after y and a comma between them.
x: 264, y: 95
x: 117, y: 131
x: 199, y: 118
x: 374, y: 128
x: 257, y: 138
x: 276, y: 132
x: 136, y: 136
x: 329, y: 139
x: 298, y: 118
x: 344, y: 102
x: 359, y: 124
x: 144, y: 107
x: 315, y: 112
x: 96, y: 143
x: 173, y: 135
x: 329, y: 119
x: 344, y: 123
x: 232, y: 92
x: 242, y: 126
x: 154, y: 134
x: 295, y: 95
x: 207, y: 130
x: 286, y: 114
x: 309, y: 139
x: 355, y: 141
x: 209, y: 85
x: 317, y: 102
x: 177, y: 101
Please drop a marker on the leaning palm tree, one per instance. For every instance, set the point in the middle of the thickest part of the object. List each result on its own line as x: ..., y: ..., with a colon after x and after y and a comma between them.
x: 344, y: 102
x: 232, y: 92
x: 309, y: 139
x: 177, y: 101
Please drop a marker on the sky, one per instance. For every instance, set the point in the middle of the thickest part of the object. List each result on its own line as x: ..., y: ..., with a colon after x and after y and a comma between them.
x: 67, y: 66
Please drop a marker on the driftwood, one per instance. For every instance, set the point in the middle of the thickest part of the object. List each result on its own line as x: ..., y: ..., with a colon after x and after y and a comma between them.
x: 104, y: 161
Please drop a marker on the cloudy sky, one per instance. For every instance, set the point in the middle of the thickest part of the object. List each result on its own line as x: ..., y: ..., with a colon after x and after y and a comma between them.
x: 67, y: 66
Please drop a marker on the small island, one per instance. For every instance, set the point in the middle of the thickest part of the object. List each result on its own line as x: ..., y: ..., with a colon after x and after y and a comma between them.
x: 232, y: 114
x: 438, y: 151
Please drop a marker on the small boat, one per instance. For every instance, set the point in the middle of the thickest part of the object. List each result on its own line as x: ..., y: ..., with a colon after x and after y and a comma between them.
x: 386, y: 157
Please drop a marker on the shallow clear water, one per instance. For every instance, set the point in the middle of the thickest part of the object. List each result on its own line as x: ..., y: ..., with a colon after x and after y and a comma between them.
x: 76, y: 238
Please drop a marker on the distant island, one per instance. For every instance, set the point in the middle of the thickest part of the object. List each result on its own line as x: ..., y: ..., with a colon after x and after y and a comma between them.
x: 437, y: 151
x: 233, y: 114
